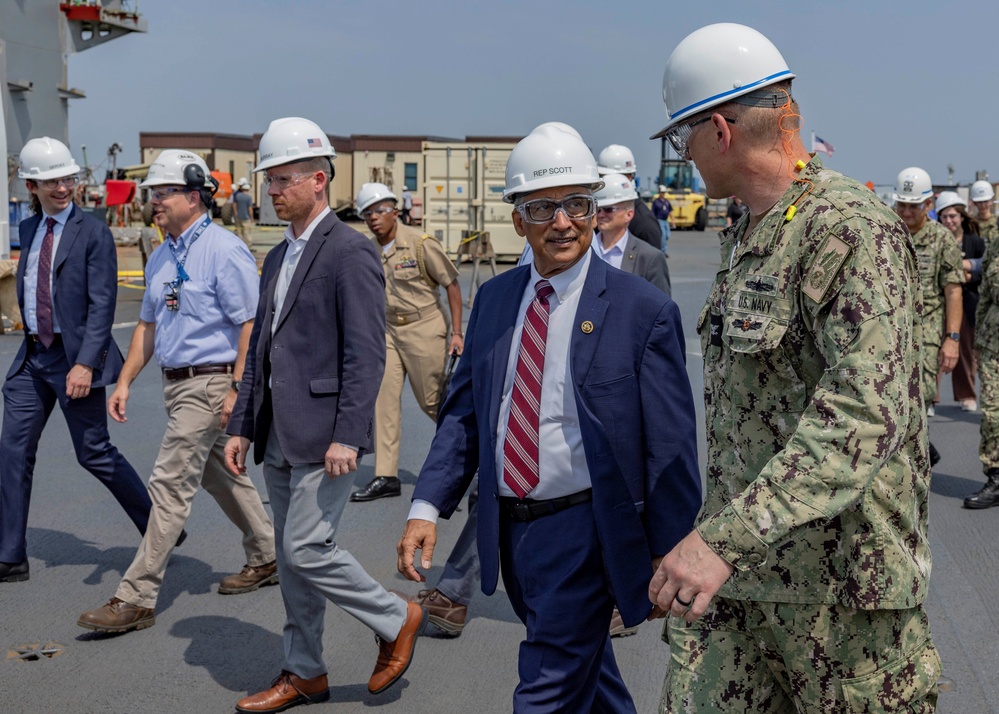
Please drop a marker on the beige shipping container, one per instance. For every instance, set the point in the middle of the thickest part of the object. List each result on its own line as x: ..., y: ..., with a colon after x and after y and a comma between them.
x: 463, y: 191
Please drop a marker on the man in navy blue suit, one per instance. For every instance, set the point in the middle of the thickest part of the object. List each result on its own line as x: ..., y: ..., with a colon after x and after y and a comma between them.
x: 67, y: 282
x: 572, y: 402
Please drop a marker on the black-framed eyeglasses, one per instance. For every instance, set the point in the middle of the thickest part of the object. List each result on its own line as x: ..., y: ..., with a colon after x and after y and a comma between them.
x: 543, y: 210
x: 680, y: 134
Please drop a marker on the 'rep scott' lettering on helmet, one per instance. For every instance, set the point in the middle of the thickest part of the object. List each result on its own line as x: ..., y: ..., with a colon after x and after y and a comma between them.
x: 553, y: 154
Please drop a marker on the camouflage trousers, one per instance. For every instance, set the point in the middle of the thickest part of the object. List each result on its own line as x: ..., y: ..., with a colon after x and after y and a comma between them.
x: 988, y: 374
x: 930, y: 356
x: 807, y: 658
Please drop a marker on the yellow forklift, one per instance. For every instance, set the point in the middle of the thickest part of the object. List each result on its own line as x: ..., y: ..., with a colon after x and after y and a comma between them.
x: 682, y: 191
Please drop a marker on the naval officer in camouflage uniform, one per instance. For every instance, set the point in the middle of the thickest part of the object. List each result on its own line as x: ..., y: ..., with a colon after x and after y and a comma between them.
x: 987, y: 347
x: 416, y: 327
x: 801, y: 587
x: 941, y: 273
x: 983, y: 195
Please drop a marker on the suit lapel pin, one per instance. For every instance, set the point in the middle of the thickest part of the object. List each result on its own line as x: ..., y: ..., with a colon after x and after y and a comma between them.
x: 586, y: 327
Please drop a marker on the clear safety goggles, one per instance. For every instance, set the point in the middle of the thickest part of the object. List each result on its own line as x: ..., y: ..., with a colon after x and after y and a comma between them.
x: 282, y: 183
x: 679, y: 135
x: 543, y: 210
x: 368, y: 213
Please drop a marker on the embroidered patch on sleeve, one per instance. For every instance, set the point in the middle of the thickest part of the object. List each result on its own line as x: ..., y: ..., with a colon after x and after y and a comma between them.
x: 829, y: 259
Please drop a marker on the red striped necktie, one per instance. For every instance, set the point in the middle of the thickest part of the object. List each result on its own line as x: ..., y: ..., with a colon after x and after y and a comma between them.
x: 520, y: 448
x: 43, y: 291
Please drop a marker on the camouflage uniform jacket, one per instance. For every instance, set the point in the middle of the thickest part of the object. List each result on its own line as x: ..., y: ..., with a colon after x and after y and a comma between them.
x: 987, y: 317
x: 817, y: 470
x: 988, y: 229
x: 940, y: 264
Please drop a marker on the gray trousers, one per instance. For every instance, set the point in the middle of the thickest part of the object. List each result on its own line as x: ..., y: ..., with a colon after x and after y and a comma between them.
x: 461, y: 572
x: 307, y: 506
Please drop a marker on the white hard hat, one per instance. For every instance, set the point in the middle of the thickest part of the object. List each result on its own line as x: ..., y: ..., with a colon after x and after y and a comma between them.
x: 372, y: 193
x: 982, y: 191
x: 616, y: 159
x: 618, y: 188
x: 547, y: 157
x: 913, y: 185
x: 662, y: 189
x: 559, y: 125
x: 178, y: 167
x: 46, y: 158
x: 243, y: 183
x: 292, y: 139
x: 946, y: 199
x: 717, y: 64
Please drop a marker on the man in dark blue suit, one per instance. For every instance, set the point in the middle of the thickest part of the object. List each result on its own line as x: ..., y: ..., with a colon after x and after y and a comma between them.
x: 572, y: 402
x: 67, y: 282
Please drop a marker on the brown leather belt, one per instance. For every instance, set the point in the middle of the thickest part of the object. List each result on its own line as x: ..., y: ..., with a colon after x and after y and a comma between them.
x: 404, y: 318
x: 528, y: 510
x: 175, y: 375
x: 36, y: 340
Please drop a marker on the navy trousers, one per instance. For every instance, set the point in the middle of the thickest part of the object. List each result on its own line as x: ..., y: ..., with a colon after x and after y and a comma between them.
x: 554, y: 575
x: 29, y: 397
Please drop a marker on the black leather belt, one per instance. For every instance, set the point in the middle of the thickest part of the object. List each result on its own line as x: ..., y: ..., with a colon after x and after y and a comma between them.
x: 528, y: 510
x: 175, y: 375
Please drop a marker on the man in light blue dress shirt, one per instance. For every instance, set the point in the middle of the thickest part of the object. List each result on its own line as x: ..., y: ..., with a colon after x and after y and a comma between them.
x: 196, y: 318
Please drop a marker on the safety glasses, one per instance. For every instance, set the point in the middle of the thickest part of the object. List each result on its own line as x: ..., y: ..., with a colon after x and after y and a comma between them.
x: 679, y: 135
x: 543, y: 210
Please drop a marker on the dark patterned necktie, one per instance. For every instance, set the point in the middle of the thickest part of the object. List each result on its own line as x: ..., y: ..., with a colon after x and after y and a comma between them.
x: 520, y: 448
x: 43, y: 293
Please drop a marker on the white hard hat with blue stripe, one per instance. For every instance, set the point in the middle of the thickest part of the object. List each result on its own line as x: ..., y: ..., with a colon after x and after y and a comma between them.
x: 721, y: 63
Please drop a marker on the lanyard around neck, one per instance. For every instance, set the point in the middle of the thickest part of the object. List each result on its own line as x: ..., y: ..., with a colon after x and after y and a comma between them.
x: 181, y: 273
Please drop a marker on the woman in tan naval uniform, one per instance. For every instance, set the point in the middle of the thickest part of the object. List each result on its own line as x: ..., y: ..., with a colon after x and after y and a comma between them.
x: 416, y: 327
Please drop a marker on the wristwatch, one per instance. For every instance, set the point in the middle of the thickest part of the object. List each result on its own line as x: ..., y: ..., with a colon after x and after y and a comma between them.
x: 235, y: 386
x: 956, y: 336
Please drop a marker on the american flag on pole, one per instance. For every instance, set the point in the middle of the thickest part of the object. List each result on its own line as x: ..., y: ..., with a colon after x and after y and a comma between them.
x: 819, y: 145
x: 316, y: 143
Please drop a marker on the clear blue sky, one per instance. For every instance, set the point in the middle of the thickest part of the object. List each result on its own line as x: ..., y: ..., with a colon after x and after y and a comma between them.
x: 888, y: 84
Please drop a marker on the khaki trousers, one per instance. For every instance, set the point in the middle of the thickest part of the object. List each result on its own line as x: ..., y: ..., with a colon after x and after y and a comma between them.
x: 191, y: 455
x: 418, y: 350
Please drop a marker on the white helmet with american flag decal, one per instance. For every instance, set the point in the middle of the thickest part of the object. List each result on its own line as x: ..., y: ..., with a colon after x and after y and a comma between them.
x: 292, y: 139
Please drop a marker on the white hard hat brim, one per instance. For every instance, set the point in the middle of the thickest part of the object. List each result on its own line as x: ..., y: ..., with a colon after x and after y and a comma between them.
x: 721, y: 98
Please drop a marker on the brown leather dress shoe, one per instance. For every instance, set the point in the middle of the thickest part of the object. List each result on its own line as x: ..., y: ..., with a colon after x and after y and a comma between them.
x: 287, y: 691
x: 394, y: 657
x: 442, y: 611
x: 249, y: 579
x: 118, y: 616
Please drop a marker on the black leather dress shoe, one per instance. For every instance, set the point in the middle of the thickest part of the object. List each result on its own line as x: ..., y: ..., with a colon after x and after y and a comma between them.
x: 934, y: 455
x: 14, y: 572
x: 988, y: 496
x: 380, y: 487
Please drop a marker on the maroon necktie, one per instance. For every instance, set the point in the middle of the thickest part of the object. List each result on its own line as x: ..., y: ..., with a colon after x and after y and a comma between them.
x: 520, y: 448
x: 43, y: 293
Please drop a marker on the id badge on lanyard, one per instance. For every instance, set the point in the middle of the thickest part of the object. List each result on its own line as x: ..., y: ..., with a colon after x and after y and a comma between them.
x: 171, y: 293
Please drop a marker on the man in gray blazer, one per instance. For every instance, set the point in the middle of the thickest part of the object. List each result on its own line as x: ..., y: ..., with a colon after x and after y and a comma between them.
x: 615, y: 244
x: 307, y: 400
